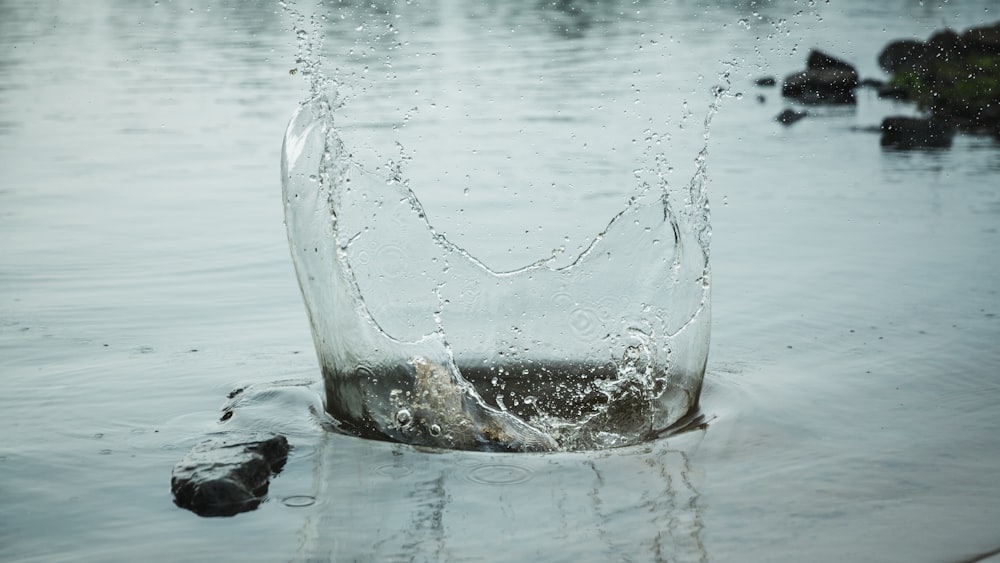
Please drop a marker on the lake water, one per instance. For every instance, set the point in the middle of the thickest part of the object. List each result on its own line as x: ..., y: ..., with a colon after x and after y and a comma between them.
x: 852, y: 386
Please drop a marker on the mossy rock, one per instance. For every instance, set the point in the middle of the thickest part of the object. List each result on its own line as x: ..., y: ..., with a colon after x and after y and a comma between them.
x: 957, y: 77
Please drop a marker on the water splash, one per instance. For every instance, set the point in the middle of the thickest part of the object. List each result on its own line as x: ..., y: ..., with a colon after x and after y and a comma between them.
x: 422, y: 342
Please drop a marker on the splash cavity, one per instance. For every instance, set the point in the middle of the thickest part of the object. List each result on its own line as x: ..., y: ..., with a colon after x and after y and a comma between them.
x: 420, y: 341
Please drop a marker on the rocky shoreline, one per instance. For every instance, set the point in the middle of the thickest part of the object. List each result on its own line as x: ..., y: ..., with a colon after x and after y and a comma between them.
x: 952, y: 78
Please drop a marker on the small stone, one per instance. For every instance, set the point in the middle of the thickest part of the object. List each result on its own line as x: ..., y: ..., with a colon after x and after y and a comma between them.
x: 790, y: 116
x: 222, y: 477
x: 826, y: 80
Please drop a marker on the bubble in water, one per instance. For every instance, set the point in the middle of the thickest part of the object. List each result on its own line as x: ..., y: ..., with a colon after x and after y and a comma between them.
x: 403, y: 417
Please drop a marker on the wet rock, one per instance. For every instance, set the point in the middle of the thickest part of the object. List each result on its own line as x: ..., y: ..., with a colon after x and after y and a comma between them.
x: 885, y: 90
x: 826, y: 80
x: 441, y: 413
x: 944, y: 44
x: 790, y: 116
x: 226, y: 476
x: 766, y: 81
x: 872, y: 83
x: 902, y: 54
x: 985, y: 39
x: 893, y: 92
x: 910, y: 133
x: 954, y: 77
x: 818, y: 60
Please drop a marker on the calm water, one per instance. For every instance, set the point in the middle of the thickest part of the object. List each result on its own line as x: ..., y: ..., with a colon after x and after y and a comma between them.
x: 144, y: 274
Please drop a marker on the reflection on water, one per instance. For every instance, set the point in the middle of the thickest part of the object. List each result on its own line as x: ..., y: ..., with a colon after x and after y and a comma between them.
x: 362, y: 500
x: 437, y: 506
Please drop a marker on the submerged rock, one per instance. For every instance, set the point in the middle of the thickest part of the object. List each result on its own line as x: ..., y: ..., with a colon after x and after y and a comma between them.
x: 441, y: 412
x: 910, y: 133
x: 826, y: 80
x: 223, y: 477
x: 790, y: 116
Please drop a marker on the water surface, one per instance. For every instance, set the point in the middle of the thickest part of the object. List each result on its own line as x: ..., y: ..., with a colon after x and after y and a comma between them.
x: 144, y: 274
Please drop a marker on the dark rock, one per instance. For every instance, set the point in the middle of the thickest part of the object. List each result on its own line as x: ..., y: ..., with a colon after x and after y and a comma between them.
x: 790, y: 116
x: 902, y: 54
x: 941, y: 48
x: 766, y: 81
x: 820, y: 87
x: 945, y: 45
x: 985, y: 39
x: 761, y: 99
x: 826, y: 80
x: 910, y: 133
x: 872, y: 83
x: 820, y: 60
x: 223, y: 477
x: 892, y: 92
x: 953, y: 77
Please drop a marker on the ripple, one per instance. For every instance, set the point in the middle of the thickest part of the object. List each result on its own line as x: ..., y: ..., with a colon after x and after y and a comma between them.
x: 389, y: 260
x: 470, y: 293
x: 563, y: 300
x: 393, y: 470
x: 298, y: 501
x: 361, y: 258
x: 585, y: 322
x: 499, y: 474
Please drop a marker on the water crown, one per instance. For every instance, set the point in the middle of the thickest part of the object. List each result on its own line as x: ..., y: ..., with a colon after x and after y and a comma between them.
x: 421, y: 341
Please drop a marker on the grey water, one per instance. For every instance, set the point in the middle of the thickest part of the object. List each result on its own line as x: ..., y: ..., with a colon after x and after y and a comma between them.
x: 851, y: 388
